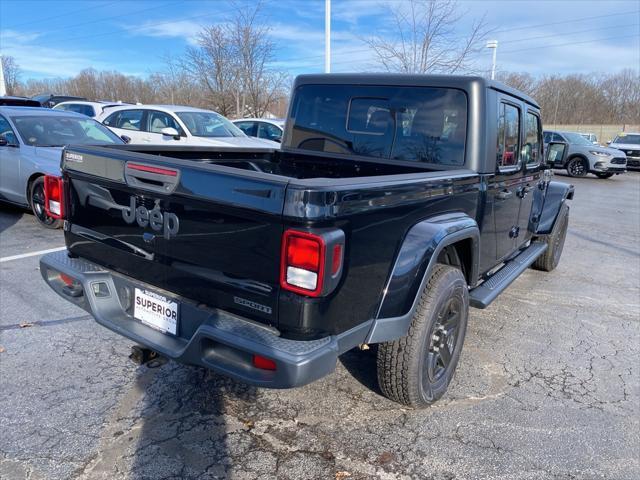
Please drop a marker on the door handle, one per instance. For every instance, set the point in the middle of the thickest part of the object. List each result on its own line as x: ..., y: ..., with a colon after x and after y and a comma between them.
x: 504, y: 195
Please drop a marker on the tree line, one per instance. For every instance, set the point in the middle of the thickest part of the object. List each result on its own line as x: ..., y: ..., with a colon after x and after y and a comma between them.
x: 578, y: 99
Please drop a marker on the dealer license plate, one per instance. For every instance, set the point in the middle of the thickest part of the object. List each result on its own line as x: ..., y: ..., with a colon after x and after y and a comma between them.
x: 157, y: 311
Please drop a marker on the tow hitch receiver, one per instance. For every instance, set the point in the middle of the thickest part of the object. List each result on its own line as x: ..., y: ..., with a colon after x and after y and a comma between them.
x: 142, y: 355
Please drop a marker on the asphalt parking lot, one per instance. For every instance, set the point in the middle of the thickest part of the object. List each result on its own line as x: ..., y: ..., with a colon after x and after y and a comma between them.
x: 548, y: 385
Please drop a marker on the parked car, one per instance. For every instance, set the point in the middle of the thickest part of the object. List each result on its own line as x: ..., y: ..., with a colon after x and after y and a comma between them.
x: 177, y: 125
x: 591, y: 137
x: 49, y: 100
x: 391, y: 208
x: 576, y: 154
x: 90, y: 109
x: 31, y: 141
x: 629, y: 143
x: 18, y: 102
x: 270, y: 129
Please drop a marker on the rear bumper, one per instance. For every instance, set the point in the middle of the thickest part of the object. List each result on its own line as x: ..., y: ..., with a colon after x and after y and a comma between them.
x: 208, y: 337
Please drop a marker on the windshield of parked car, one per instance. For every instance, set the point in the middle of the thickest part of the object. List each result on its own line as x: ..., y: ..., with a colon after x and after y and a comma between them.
x: 58, y: 131
x: 209, y: 124
x: 632, y: 139
x: 576, y: 138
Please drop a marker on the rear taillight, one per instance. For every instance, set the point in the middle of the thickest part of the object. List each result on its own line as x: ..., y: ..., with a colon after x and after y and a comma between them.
x: 311, y: 263
x: 54, y: 196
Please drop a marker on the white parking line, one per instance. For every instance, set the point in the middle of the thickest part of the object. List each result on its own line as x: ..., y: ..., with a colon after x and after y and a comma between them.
x: 32, y: 254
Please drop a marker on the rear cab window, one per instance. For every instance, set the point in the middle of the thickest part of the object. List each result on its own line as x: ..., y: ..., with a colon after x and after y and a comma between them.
x: 425, y: 125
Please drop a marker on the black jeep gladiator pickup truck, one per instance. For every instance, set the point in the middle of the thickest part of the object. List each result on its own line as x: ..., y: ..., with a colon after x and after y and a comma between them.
x: 395, y: 203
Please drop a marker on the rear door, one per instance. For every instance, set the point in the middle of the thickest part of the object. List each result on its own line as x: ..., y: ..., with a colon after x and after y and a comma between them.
x: 129, y: 123
x: 505, y: 185
x: 531, y: 159
x: 209, y: 233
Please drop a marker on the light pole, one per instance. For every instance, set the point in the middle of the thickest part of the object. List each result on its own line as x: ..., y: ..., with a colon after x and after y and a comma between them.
x: 493, y: 44
x: 327, y: 36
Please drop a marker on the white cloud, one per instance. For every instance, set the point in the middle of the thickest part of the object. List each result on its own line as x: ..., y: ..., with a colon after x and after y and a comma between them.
x: 36, y: 58
x: 184, y: 29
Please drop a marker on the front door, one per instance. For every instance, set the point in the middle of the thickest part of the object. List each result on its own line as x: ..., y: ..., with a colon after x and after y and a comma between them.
x: 504, y: 188
x: 10, y: 186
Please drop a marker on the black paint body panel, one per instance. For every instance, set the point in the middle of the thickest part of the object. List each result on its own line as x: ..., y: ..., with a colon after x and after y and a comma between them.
x: 234, y: 204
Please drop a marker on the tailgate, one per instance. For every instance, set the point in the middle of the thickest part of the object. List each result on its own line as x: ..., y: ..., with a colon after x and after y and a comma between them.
x: 209, y: 233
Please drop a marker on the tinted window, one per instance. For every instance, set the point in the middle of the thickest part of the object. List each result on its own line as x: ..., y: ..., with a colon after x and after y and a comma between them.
x: 249, y: 128
x: 79, y: 108
x: 557, y: 138
x: 532, y: 145
x: 417, y: 124
x: 269, y: 131
x: 547, y: 137
x: 127, y: 119
x: 57, y: 131
x: 508, y: 136
x: 158, y: 120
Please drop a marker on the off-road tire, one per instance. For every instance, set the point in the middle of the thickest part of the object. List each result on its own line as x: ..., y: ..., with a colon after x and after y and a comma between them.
x: 555, y: 242
x: 403, y: 364
x: 36, y: 202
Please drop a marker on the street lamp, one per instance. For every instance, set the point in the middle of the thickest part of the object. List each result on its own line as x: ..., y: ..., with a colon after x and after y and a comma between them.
x: 493, y: 44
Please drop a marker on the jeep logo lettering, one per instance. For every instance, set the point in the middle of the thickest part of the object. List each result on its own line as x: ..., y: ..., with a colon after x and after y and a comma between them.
x: 166, y: 222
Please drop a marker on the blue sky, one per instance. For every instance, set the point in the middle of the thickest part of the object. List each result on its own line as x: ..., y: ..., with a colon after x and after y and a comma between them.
x: 60, y: 38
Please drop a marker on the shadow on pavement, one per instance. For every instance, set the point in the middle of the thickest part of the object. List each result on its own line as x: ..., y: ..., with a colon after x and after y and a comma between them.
x: 361, y: 364
x: 182, y: 417
x: 9, y: 215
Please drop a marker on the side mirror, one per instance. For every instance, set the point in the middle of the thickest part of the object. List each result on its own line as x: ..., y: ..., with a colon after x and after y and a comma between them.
x: 3, y: 141
x: 608, y: 142
x: 125, y: 139
x: 554, y: 153
x: 170, y: 132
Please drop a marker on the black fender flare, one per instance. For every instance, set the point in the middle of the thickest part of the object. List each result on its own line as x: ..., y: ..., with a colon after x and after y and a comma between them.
x: 556, y: 194
x: 412, y: 268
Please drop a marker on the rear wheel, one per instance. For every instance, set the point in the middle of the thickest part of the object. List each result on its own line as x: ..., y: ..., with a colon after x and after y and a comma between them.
x: 550, y: 259
x: 36, y: 201
x: 416, y: 370
x: 604, y: 175
x: 577, y: 167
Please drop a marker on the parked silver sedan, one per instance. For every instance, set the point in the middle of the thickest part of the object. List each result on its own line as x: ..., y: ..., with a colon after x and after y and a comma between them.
x: 31, y: 140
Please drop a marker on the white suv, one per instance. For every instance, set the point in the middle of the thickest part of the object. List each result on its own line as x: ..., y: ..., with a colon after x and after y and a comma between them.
x: 178, y: 125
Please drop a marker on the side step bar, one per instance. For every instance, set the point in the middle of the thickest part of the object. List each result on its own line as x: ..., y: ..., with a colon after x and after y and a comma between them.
x: 485, y: 293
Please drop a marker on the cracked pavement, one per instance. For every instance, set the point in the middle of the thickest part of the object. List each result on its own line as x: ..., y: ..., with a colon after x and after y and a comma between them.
x: 548, y: 386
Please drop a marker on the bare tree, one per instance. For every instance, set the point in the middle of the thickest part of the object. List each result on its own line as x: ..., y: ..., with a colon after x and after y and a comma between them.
x: 231, y: 64
x: 425, y: 39
x: 12, y: 72
x: 252, y: 46
x: 214, y: 67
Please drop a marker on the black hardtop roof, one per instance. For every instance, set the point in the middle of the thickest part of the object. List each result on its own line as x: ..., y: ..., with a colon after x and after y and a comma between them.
x: 464, y: 82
